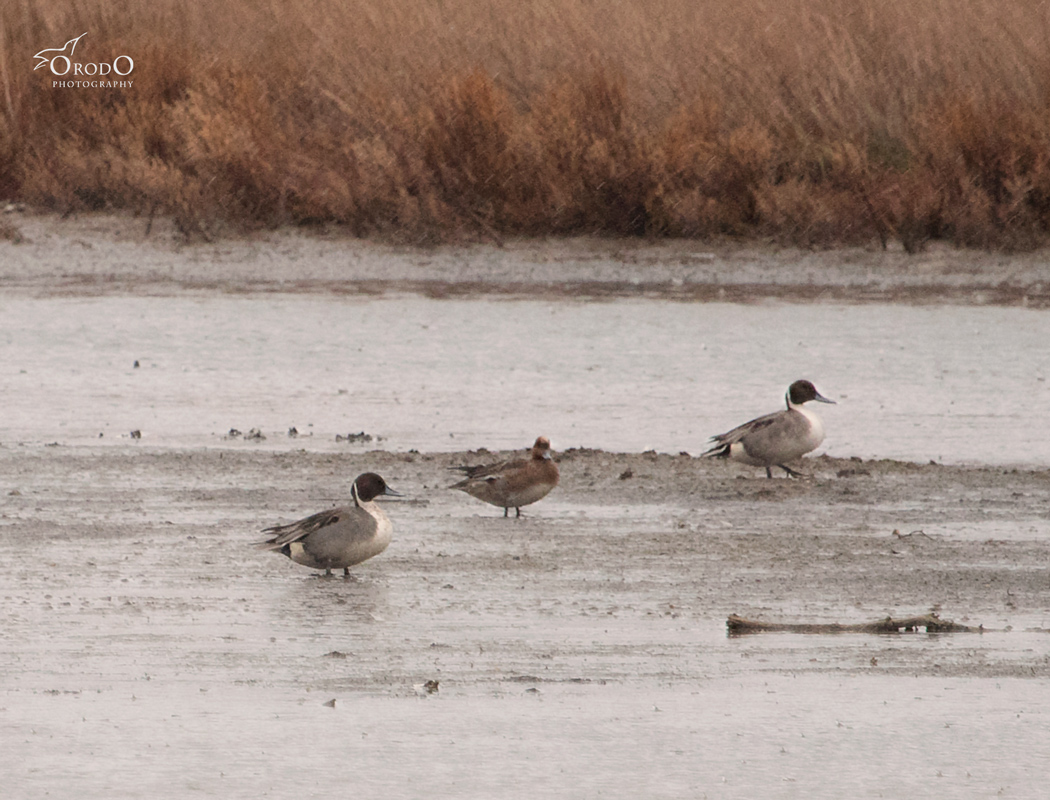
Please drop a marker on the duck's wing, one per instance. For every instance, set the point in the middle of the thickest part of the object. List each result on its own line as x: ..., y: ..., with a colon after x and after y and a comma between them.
x: 485, y: 471
x: 297, y: 531
x: 729, y: 438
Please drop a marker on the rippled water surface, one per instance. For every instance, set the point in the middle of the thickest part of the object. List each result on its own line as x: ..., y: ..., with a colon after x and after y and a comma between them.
x: 949, y: 383
x: 777, y: 738
x: 167, y: 660
x: 149, y: 652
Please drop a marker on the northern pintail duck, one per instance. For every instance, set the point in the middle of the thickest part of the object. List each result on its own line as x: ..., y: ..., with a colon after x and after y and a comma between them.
x: 513, y: 484
x: 778, y: 437
x: 339, y: 537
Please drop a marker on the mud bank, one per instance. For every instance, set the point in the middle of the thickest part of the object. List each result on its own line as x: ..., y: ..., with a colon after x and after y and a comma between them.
x: 580, y: 651
x: 106, y: 254
x: 148, y: 649
x: 637, y: 538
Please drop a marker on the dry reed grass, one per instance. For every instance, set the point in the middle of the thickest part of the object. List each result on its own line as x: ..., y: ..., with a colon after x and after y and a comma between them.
x: 803, y: 120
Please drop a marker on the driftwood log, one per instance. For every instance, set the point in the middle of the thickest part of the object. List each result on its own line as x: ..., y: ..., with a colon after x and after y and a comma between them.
x: 931, y: 623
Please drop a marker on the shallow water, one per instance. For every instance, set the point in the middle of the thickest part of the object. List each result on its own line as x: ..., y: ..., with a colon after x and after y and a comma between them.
x: 154, y: 655
x: 579, y: 651
x: 946, y: 383
x: 777, y: 737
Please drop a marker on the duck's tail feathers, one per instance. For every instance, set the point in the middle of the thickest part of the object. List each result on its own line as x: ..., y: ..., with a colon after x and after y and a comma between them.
x: 720, y: 450
x: 267, y: 544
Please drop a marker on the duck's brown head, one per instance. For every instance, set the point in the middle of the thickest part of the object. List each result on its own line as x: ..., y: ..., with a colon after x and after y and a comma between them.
x: 542, y: 448
x: 368, y: 486
x: 802, y: 392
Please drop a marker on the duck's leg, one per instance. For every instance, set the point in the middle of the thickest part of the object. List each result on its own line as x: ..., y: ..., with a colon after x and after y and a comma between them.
x: 769, y: 473
x: 346, y: 572
x: 506, y: 511
x: 328, y: 573
x: 791, y: 472
x: 516, y: 508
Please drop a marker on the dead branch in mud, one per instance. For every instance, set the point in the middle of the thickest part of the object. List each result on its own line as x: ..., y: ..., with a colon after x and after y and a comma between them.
x: 738, y: 626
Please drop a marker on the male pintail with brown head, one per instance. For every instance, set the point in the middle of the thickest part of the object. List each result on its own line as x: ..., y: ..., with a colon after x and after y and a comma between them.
x: 340, y: 537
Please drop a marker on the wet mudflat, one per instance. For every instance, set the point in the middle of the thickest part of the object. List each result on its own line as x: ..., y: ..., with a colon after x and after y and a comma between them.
x: 578, y: 650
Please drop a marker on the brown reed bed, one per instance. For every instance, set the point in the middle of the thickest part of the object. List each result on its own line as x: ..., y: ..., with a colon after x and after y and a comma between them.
x: 806, y: 121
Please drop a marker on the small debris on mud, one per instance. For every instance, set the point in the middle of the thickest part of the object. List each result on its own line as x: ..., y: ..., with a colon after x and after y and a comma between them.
x: 900, y: 535
x: 354, y: 438
x: 851, y: 473
x: 11, y: 233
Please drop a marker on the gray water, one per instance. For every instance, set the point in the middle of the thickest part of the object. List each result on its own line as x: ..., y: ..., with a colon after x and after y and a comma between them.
x: 157, y: 656
x: 946, y: 383
x: 806, y: 737
x: 148, y: 653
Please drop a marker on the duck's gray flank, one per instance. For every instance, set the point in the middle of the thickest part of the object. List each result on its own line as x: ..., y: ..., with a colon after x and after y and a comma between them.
x: 339, y: 537
x: 777, y: 438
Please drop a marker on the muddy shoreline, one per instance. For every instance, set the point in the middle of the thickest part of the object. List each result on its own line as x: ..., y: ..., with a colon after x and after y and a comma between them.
x: 807, y: 542
x: 682, y: 536
x: 149, y: 650
x: 90, y: 255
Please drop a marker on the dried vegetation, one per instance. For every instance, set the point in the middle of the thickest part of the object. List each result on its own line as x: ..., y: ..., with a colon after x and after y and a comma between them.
x: 806, y: 121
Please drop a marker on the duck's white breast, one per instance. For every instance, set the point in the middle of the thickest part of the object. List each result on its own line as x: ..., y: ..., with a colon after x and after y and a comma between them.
x: 815, y: 434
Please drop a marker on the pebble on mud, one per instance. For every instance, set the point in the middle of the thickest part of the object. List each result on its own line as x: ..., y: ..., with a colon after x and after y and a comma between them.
x: 255, y: 434
x: 423, y: 689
